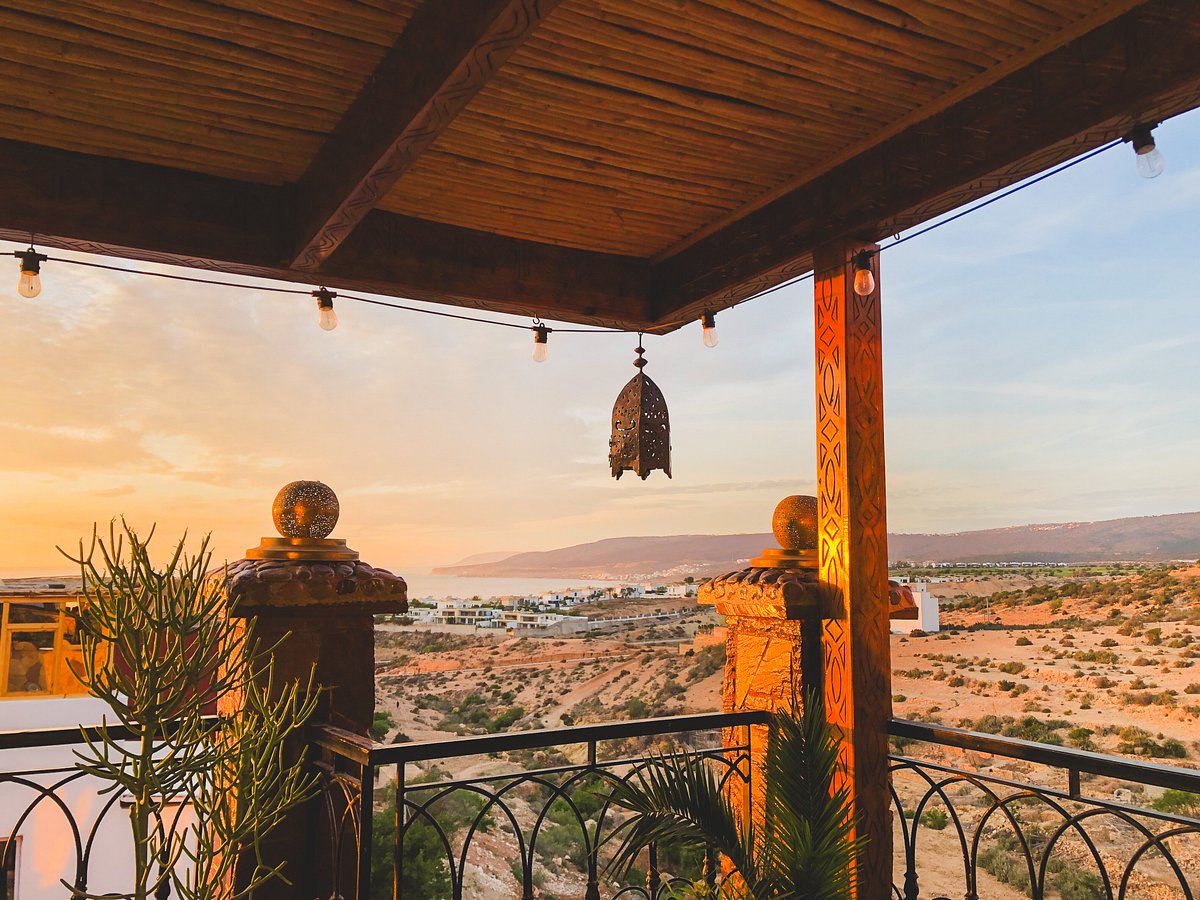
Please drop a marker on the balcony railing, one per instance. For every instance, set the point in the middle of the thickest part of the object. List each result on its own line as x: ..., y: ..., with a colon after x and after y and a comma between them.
x: 973, y: 811
x: 1065, y: 840
x: 76, y: 834
x: 551, y: 814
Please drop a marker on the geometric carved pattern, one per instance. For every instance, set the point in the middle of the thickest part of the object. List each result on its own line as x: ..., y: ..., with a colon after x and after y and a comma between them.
x: 852, y: 548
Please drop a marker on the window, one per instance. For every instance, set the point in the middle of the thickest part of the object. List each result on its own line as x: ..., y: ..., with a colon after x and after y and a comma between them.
x: 38, y: 646
x: 8, y: 865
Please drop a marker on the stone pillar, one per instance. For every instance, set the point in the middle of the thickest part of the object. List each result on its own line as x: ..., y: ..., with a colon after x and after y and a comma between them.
x: 853, y: 544
x: 315, y: 594
x: 773, y: 642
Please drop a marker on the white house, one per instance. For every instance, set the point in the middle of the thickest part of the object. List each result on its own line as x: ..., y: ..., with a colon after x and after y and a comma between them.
x: 927, y: 619
x: 38, y: 691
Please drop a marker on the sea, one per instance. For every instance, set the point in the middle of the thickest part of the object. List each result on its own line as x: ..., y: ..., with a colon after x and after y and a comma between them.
x: 422, y: 583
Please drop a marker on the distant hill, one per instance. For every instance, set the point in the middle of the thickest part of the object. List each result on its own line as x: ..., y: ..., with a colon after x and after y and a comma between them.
x: 626, y: 557
x: 1145, y: 538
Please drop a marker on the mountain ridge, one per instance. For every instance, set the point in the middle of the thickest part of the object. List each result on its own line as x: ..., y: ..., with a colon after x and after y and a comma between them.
x: 1129, y: 539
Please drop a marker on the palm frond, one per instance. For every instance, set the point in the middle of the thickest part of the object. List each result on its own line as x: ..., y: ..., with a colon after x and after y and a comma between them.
x: 677, y: 799
x: 808, y: 843
x: 806, y: 848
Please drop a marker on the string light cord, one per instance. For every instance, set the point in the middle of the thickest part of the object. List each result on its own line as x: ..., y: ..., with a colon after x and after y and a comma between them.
x: 172, y: 277
x: 1015, y: 189
x: 654, y: 329
x: 896, y: 241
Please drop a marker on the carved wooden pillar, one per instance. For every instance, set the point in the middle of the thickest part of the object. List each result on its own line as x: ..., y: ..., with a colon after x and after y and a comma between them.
x: 853, y: 545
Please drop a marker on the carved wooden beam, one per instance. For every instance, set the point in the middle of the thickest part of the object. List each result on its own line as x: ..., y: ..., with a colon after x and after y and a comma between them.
x: 1142, y: 65
x: 146, y: 212
x: 445, y: 54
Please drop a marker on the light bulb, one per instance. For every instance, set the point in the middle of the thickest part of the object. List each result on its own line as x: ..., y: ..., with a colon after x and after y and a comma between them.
x: 708, y: 323
x: 864, y: 278
x: 326, y: 317
x: 1150, y: 162
x: 541, y: 343
x: 29, y: 285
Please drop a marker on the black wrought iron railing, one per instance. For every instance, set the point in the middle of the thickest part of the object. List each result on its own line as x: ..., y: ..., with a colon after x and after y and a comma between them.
x: 524, y: 814
x: 72, y: 825
x: 1048, y: 821
x: 531, y: 818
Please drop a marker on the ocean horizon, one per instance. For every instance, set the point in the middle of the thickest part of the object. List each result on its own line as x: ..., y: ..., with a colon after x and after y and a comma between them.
x: 422, y: 582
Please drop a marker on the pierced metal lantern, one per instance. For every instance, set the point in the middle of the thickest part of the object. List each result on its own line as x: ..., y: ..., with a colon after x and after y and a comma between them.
x: 641, y: 427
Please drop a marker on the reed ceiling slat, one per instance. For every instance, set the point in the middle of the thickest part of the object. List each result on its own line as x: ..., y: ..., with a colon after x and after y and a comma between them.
x: 733, y: 98
x: 244, y: 89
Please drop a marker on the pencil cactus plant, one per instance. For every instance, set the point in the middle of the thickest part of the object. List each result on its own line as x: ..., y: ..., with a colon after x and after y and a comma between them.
x: 201, y: 791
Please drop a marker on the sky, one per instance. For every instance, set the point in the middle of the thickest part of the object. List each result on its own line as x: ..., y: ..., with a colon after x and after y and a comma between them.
x: 1041, y: 364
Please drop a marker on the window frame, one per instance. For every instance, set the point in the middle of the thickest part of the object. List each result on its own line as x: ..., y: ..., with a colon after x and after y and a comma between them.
x: 8, y: 629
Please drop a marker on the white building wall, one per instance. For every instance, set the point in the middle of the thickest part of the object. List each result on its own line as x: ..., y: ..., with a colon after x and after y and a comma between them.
x: 47, y: 853
x: 927, y: 619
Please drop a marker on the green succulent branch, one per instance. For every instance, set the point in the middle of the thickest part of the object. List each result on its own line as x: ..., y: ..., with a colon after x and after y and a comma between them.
x: 159, y: 648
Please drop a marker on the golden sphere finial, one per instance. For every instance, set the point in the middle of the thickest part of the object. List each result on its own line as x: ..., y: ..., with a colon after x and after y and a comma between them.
x: 795, y: 522
x: 305, y: 509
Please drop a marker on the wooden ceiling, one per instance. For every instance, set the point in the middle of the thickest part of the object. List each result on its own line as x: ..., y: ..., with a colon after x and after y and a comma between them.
x: 624, y: 162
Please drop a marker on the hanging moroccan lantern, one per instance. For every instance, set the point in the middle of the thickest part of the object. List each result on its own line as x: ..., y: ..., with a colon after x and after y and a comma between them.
x: 641, y: 427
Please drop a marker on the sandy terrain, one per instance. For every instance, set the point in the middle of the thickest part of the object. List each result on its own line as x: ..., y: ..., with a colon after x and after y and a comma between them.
x: 1085, y: 663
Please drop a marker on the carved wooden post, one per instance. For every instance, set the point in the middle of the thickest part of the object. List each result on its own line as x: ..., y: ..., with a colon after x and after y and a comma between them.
x: 315, y: 593
x: 853, y: 545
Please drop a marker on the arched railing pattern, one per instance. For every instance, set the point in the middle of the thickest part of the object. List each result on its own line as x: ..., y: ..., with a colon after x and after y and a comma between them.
x: 550, y: 819
x: 1043, y: 840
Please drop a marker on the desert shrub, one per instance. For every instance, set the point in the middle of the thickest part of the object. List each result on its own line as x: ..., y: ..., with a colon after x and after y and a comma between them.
x: 1193, y: 688
x: 1139, y: 742
x: 381, y: 725
x: 956, y: 681
x: 1081, y: 737
x: 1075, y: 884
x: 1180, y: 803
x: 1003, y: 860
x: 707, y: 662
x: 989, y: 724
x: 935, y: 818
x: 507, y: 718
x: 1012, y: 667
x: 1023, y: 641
x: 1096, y: 656
x: 636, y: 708
x: 1031, y: 728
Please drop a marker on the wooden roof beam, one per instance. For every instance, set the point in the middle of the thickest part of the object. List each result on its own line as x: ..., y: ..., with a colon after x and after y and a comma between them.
x: 147, y: 212
x: 446, y: 53
x: 1140, y: 66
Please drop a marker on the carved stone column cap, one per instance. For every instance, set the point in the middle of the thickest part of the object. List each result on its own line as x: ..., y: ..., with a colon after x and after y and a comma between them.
x: 351, y: 585
x: 769, y: 593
